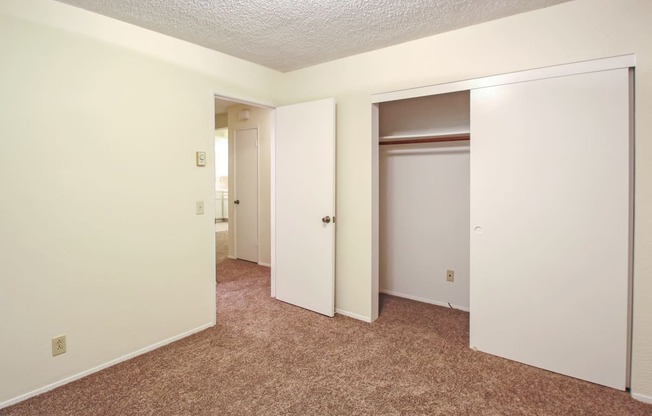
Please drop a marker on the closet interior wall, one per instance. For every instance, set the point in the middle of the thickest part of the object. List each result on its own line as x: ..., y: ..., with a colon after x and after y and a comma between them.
x: 424, y: 199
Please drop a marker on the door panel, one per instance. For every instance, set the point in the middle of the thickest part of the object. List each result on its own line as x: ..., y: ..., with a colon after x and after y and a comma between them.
x: 246, y: 194
x: 304, y: 254
x: 550, y: 232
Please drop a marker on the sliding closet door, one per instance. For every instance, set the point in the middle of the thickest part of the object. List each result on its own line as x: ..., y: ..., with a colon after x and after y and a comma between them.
x: 550, y: 221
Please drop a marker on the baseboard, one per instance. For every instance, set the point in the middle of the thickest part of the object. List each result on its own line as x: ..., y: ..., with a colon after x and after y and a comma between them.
x: 642, y: 398
x: 103, y: 366
x: 424, y: 300
x: 353, y: 315
x: 265, y: 264
x: 231, y: 257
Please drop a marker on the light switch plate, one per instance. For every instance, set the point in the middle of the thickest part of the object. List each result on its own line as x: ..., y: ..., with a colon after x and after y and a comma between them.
x: 199, y: 207
x: 200, y: 158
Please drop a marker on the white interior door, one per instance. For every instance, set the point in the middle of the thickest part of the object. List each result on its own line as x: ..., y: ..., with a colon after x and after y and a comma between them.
x: 304, y: 207
x: 246, y: 194
x: 550, y: 224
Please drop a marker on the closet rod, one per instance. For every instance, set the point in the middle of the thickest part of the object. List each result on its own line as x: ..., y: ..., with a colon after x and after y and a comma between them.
x: 434, y: 139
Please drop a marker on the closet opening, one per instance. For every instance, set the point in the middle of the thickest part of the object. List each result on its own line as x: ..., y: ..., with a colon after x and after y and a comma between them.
x: 423, y: 199
x: 551, y: 158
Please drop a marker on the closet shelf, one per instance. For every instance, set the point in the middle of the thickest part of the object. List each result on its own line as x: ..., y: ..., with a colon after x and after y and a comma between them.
x: 431, y: 138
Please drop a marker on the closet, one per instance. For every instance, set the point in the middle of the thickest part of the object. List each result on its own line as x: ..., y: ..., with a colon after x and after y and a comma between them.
x: 549, y: 214
x: 424, y: 199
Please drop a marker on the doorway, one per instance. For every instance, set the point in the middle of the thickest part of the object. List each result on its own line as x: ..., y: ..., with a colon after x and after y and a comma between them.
x: 251, y: 126
x: 252, y: 129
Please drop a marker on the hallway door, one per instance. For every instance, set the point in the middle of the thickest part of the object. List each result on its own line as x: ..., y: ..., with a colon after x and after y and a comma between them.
x: 245, y: 198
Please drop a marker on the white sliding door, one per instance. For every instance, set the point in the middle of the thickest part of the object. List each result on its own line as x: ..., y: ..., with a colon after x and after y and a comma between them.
x: 304, y: 207
x: 550, y: 224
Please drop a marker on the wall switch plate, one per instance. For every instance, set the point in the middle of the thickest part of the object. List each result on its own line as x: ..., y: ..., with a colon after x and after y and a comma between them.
x: 200, y: 158
x: 199, y: 207
x: 450, y: 275
x: 58, y: 345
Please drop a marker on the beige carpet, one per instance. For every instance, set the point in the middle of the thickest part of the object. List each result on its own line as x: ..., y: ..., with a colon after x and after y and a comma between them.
x: 221, y: 246
x: 266, y: 357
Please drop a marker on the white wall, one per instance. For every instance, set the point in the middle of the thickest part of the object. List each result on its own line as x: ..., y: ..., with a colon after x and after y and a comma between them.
x: 99, y: 125
x: 569, y: 32
x: 77, y: 83
x: 262, y: 119
x: 424, y: 222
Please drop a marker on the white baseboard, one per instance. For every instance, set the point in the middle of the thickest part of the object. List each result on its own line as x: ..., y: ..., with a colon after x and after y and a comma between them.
x: 103, y: 366
x: 265, y: 264
x: 642, y: 398
x: 353, y: 315
x: 424, y: 300
x: 231, y: 257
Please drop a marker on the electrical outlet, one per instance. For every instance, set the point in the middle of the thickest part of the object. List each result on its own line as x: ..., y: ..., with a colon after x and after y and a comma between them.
x: 58, y: 345
x: 450, y: 275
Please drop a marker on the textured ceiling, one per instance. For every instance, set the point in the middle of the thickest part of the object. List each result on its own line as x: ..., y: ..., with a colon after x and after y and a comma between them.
x: 290, y: 34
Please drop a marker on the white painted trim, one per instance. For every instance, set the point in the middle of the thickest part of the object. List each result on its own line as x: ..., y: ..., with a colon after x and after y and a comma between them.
x: 213, y: 243
x: 232, y: 257
x: 623, y: 61
x: 642, y: 398
x: 272, y: 203
x: 244, y: 101
x: 353, y: 315
x: 103, y: 366
x: 424, y: 300
x: 264, y: 264
x: 632, y: 215
x: 258, y: 198
x: 375, y: 211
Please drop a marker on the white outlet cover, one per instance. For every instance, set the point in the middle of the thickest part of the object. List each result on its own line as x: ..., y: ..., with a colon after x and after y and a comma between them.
x: 59, y: 345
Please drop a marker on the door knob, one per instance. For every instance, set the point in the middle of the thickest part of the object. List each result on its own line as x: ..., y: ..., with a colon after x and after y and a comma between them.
x: 326, y: 219
x: 237, y: 202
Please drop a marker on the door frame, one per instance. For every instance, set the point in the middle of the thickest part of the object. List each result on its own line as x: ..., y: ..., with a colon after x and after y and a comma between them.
x: 262, y: 104
x: 595, y: 65
x: 603, y: 64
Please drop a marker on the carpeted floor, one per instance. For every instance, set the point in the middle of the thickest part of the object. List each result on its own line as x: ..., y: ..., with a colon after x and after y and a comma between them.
x: 221, y: 246
x: 266, y: 357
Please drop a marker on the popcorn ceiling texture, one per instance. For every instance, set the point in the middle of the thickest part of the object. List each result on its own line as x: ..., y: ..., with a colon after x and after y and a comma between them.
x: 288, y: 34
